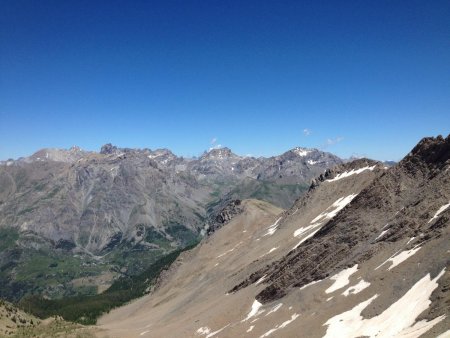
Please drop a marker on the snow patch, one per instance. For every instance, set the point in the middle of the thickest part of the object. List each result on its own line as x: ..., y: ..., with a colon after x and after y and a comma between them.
x: 281, y: 326
x: 305, y: 238
x: 317, y: 222
x: 212, y: 334
x: 401, y: 257
x: 309, y: 284
x: 270, y: 251
x: 440, y: 210
x: 337, y: 206
x: 250, y: 328
x: 274, y: 309
x: 341, y: 279
x: 352, y: 290
x: 302, y: 230
x: 204, y: 330
x: 143, y: 333
x: 382, y: 234
x: 311, y: 162
x: 396, y: 321
x: 259, y: 281
x: 350, y: 173
x: 410, y: 240
x: 254, y: 311
x: 271, y: 229
x: 231, y: 250
x: 301, y: 152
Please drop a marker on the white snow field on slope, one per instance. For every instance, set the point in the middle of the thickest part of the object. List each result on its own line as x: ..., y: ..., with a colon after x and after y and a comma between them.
x: 396, y: 321
x: 271, y: 230
x: 281, y: 326
x: 350, y: 173
x: 328, y: 214
x: 441, y: 210
x: 396, y: 259
x: 356, y: 288
x: 254, y: 311
x: 341, y: 279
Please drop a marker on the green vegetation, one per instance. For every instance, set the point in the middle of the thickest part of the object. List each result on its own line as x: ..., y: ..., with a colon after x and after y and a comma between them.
x: 181, y: 233
x: 268, y: 190
x: 86, y: 309
x: 30, y: 265
x: 281, y: 195
x: 50, y: 272
x: 155, y: 237
x: 56, y: 329
x: 8, y: 238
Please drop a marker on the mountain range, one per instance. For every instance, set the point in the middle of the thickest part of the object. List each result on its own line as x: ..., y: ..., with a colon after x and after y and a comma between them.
x: 363, y: 251
x: 72, y: 221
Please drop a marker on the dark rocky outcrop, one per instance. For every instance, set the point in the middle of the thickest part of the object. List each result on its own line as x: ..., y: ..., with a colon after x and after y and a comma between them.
x: 225, y: 215
x: 400, y: 197
x: 108, y: 149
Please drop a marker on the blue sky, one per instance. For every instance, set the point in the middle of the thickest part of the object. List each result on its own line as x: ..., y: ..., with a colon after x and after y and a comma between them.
x: 352, y: 77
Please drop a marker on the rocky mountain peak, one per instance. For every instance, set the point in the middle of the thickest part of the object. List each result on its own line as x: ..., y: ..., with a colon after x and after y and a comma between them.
x: 162, y: 152
x: 75, y: 149
x: 108, y: 149
x: 300, y: 151
x: 219, y: 153
x: 430, y: 152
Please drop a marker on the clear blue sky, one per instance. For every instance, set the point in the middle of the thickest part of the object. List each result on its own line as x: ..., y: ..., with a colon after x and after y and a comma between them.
x: 364, y: 77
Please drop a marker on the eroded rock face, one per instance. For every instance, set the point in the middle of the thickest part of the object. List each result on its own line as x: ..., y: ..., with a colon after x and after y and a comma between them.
x: 89, y: 201
x: 398, y: 199
x: 429, y: 156
x: 225, y: 215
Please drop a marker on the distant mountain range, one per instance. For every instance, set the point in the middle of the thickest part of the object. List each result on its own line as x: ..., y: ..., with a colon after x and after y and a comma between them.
x: 87, y: 217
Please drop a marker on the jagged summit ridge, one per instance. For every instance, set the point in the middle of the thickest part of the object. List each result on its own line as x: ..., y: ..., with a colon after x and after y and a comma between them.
x: 219, y: 153
x: 431, y: 153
